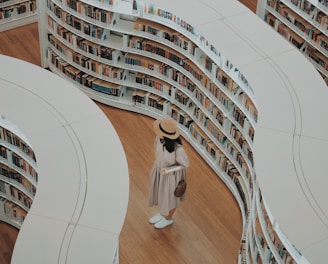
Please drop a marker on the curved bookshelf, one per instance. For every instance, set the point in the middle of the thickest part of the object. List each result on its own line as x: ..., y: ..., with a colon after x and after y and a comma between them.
x: 76, y: 206
x: 18, y: 174
x: 15, y: 13
x: 303, y: 24
x: 234, y: 94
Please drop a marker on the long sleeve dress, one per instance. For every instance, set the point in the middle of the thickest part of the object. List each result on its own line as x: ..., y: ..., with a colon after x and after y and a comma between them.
x: 162, y: 185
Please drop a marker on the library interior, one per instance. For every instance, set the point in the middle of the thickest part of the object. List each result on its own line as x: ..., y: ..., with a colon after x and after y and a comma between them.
x: 81, y: 84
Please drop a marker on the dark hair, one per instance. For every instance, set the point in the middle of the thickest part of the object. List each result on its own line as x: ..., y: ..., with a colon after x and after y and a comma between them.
x: 170, y: 144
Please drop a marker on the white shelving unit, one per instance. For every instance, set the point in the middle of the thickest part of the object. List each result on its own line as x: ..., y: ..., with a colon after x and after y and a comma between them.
x: 304, y: 23
x: 16, y: 13
x: 18, y: 174
x: 79, y: 204
x: 240, y: 96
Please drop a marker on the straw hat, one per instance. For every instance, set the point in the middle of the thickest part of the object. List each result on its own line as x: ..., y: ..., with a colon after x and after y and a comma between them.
x: 166, y: 128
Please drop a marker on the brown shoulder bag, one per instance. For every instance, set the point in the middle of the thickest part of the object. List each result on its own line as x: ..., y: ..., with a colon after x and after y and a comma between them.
x: 181, y: 188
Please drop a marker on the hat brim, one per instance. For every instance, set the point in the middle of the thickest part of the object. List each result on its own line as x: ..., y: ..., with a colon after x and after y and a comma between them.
x: 159, y: 132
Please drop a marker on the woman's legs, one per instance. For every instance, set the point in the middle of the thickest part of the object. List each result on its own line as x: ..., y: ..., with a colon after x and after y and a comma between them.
x: 166, y: 221
x: 170, y: 215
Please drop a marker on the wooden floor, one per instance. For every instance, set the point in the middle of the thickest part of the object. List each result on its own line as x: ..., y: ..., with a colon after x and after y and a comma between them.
x: 207, y: 227
x: 8, y: 235
x: 250, y: 4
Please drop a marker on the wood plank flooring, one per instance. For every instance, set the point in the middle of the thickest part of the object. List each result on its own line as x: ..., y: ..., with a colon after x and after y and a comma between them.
x: 8, y: 236
x: 250, y: 4
x: 207, y: 227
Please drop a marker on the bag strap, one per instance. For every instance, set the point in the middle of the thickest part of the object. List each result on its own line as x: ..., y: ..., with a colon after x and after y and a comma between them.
x: 175, y: 153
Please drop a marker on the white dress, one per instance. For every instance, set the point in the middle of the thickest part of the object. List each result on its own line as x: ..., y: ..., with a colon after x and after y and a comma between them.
x: 162, y: 186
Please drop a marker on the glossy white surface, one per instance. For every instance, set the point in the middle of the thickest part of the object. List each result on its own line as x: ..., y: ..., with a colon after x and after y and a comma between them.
x: 83, y: 186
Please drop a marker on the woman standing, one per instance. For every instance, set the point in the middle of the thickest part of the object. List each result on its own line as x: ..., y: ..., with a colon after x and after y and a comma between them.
x: 169, y: 151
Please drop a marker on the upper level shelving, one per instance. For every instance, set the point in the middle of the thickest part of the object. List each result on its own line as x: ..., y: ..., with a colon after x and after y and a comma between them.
x: 304, y: 24
x: 15, y: 13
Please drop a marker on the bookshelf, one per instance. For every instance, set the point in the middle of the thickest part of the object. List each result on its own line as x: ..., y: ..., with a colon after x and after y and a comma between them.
x: 303, y: 23
x: 15, y: 13
x: 66, y: 218
x: 18, y: 174
x: 238, y: 96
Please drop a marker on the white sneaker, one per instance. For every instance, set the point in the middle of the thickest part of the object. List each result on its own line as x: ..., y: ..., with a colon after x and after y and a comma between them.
x: 163, y: 223
x: 156, y: 218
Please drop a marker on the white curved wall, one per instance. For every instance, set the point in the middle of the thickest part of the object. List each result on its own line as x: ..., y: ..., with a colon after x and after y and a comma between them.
x: 82, y: 192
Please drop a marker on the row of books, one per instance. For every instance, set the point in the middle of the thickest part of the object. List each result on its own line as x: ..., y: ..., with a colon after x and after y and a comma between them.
x: 153, y: 10
x: 315, y: 54
x: 144, y: 25
x: 152, y: 82
x: 304, y: 5
x: 232, y: 110
x: 12, y: 176
x: 149, y: 100
x: 83, y: 78
x: 18, y: 177
x: 92, y: 30
x: 264, y: 232
x: 222, y: 162
x: 151, y: 46
x: 17, y: 10
x: 227, y: 81
x: 85, y: 62
x: 225, y: 126
x: 165, y: 33
x: 137, y: 60
x: 86, y: 46
x: 179, y: 115
x: 12, y: 193
x: 12, y: 211
x: 291, y: 36
x: 94, y: 49
x: 96, y: 85
x: 187, y: 65
x: 222, y: 138
x: 294, y: 18
x: 11, y: 158
x: 14, y: 140
x: 304, y: 24
x: 22, y: 164
x: 281, y: 250
x: 175, y: 20
x: 90, y: 11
